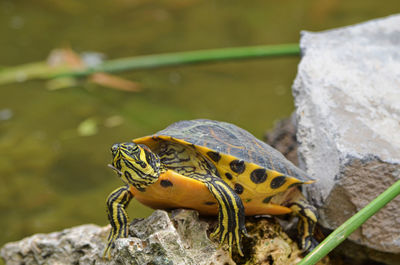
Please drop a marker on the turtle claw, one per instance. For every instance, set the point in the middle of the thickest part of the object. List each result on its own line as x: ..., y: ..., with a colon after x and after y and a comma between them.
x: 233, y: 235
x: 308, y: 244
x: 244, y: 232
x: 107, y: 253
x: 110, y: 244
x: 230, y: 216
x: 116, y: 203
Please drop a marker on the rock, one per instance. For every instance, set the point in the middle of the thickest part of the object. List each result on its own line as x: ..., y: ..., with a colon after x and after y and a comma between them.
x: 79, y: 245
x: 154, y: 240
x: 347, y: 105
x: 181, y: 239
x: 268, y: 244
x: 160, y: 240
x: 283, y: 138
x: 356, y: 254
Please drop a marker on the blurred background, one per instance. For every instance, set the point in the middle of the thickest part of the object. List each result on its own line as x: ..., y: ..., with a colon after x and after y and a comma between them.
x: 54, y: 145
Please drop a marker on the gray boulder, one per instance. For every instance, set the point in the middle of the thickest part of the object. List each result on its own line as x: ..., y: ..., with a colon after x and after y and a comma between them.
x: 347, y: 96
x: 161, y: 239
x: 283, y: 138
x: 154, y: 240
x: 78, y: 245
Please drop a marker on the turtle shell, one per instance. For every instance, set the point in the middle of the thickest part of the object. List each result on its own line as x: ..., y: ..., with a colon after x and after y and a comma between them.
x: 228, y: 139
x: 240, y: 158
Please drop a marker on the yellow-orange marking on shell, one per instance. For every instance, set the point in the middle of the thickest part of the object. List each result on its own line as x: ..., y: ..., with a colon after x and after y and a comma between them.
x: 189, y: 193
x: 192, y: 194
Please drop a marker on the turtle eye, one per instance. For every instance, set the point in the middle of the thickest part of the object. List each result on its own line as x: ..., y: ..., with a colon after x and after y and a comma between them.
x: 115, y: 147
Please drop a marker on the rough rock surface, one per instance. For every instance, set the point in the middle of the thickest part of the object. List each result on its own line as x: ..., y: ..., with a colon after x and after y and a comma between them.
x: 79, y: 245
x: 158, y: 240
x: 283, y: 138
x: 347, y: 95
x: 284, y: 135
x: 154, y: 240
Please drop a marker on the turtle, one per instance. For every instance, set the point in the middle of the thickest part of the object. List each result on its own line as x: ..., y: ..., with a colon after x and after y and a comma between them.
x: 213, y: 167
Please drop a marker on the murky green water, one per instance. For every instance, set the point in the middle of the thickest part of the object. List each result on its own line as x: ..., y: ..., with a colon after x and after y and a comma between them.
x: 50, y: 176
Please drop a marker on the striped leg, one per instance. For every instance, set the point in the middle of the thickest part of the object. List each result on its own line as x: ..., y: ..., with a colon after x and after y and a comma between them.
x: 231, y: 214
x: 117, y: 201
x: 308, y: 216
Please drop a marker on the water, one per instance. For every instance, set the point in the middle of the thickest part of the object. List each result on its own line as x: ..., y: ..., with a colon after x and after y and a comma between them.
x: 53, y: 177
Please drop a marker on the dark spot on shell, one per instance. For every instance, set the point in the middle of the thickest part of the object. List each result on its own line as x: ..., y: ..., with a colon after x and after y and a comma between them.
x: 237, y: 166
x: 249, y: 200
x: 267, y: 199
x: 166, y: 183
x: 278, y: 182
x: 215, y: 156
x: 228, y: 176
x: 258, y: 175
x: 238, y: 188
x: 209, y: 203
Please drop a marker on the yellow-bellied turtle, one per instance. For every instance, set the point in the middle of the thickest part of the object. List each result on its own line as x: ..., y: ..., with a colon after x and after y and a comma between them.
x: 212, y: 167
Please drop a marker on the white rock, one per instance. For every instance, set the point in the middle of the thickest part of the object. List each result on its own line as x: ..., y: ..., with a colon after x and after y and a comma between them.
x: 347, y: 95
x: 179, y: 238
x: 79, y: 245
x: 156, y: 241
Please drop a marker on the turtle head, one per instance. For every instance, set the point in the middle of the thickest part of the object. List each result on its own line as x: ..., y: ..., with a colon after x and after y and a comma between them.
x: 136, y: 164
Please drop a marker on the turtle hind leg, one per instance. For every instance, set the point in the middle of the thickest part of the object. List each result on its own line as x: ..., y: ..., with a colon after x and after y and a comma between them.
x: 116, y: 202
x: 308, y: 217
x: 230, y: 217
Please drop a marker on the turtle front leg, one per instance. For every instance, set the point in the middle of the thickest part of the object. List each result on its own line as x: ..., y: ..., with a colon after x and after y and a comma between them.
x: 117, y: 201
x: 231, y: 215
x: 308, y: 217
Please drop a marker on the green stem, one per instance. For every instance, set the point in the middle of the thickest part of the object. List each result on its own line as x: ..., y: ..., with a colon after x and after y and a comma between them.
x: 348, y: 227
x: 41, y: 70
x: 184, y: 58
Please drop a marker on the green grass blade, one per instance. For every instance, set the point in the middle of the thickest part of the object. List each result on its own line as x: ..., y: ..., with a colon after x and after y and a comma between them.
x: 186, y: 58
x: 348, y: 227
x: 41, y: 70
